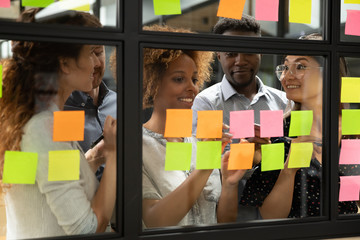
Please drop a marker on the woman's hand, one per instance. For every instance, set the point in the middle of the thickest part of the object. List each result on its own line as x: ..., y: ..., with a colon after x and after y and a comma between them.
x: 230, y: 178
x: 95, y: 156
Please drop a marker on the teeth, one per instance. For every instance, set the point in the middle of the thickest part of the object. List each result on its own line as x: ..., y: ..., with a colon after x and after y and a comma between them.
x: 189, y: 100
x: 292, y: 86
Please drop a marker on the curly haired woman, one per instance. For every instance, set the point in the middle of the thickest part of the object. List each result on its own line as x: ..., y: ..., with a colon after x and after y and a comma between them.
x: 171, y: 81
x: 37, y: 80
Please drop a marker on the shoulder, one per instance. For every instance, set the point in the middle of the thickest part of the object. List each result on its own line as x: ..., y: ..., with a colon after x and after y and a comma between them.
x: 210, y: 95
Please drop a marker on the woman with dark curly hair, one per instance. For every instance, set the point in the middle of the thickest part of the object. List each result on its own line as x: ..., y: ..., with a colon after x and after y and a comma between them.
x: 171, y: 81
x: 37, y: 80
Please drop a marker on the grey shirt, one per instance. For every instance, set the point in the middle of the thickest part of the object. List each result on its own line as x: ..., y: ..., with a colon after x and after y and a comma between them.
x: 157, y: 183
x: 222, y: 96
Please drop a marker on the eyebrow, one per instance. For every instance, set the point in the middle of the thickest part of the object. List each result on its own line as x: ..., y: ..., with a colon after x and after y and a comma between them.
x: 298, y: 59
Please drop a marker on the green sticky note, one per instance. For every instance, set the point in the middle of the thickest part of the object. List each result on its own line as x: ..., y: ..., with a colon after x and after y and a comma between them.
x: 36, y: 3
x: 300, y: 11
x: 167, y: 7
x: 20, y: 167
x: 350, y: 89
x: 352, y: 1
x: 272, y: 156
x: 208, y: 155
x: 350, y: 122
x: 300, y: 155
x: 300, y: 123
x: 64, y: 165
x: 178, y: 156
x: 1, y: 71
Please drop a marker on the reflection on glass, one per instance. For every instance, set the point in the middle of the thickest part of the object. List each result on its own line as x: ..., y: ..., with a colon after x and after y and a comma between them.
x: 201, y: 16
x: 40, y: 80
x: 105, y: 10
x: 285, y: 175
x: 349, y: 170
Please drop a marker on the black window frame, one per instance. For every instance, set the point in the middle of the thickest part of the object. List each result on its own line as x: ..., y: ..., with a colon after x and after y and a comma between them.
x: 130, y: 40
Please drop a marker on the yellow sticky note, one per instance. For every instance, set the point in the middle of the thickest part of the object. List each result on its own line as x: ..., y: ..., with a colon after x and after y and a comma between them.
x: 300, y: 11
x: 178, y: 123
x: 64, y: 165
x: 69, y: 126
x: 20, y: 167
x: 36, y: 3
x: 1, y: 80
x: 231, y: 8
x: 300, y: 155
x: 209, y: 124
x: 352, y: 1
x: 167, y: 7
x: 78, y: 5
x: 350, y: 89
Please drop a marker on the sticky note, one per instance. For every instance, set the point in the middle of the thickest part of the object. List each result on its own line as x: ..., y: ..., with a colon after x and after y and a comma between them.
x: 20, y: 167
x: 78, y: 5
x: 350, y: 151
x: 64, y: 165
x: 350, y: 88
x: 349, y: 188
x: 167, y: 7
x: 5, y: 3
x: 241, y: 156
x: 271, y: 123
x: 272, y: 156
x: 231, y: 8
x: 1, y: 74
x: 208, y: 155
x: 300, y: 123
x: 300, y: 155
x: 267, y: 10
x: 242, y: 124
x: 209, y: 124
x: 300, y: 11
x: 69, y: 126
x: 352, y: 23
x: 352, y: 1
x: 350, y: 122
x: 36, y: 3
x: 178, y: 156
x: 178, y: 123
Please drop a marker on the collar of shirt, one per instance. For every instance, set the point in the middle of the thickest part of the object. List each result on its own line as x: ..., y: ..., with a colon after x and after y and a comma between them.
x: 83, y: 99
x: 228, y: 90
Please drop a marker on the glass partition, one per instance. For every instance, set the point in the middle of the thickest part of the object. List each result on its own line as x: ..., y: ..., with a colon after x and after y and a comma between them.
x: 349, y: 168
x: 248, y: 146
x: 283, y: 20
x: 348, y: 22
x: 55, y: 103
x: 105, y: 10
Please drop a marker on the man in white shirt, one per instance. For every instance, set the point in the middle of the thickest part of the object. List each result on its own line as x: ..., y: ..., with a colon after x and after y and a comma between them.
x: 240, y: 88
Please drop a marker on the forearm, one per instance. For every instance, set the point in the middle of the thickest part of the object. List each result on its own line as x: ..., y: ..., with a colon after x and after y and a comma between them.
x: 171, y: 209
x: 278, y: 203
x: 104, y: 201
x: 227, y: 208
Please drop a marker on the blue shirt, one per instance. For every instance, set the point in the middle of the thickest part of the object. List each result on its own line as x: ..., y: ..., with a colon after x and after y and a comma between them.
x: 94, y: 115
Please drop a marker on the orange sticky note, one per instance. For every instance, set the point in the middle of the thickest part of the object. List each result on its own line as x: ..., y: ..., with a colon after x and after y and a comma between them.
x: 69, y: 126
x: 241, y: 156
x: 178, y: 123
x: 231, y: 8
x: 209, y: 124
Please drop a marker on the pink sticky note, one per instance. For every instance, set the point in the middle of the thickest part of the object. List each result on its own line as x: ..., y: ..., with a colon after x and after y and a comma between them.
x: 271, y: 123
x: 242, y: 124
x: 349, y: 188
x: 350, y: 151
x: 352, y: 23
x: 267, y: 10
x: 5, y: 3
